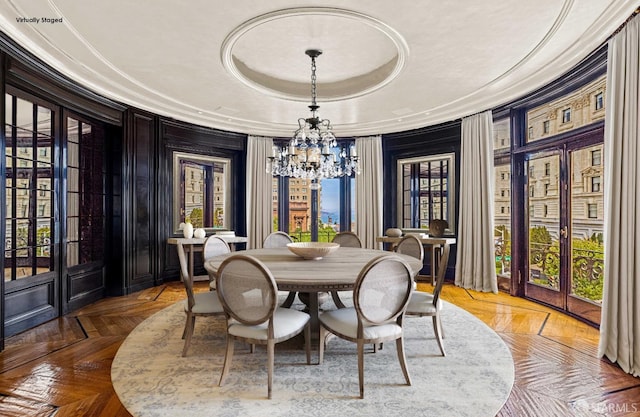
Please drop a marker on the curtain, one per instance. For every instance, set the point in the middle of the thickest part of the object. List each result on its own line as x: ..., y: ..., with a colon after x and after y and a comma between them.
x: 259, y: 191
x: 620, y: 321
x: 369, y: 191
x: 475, y: 264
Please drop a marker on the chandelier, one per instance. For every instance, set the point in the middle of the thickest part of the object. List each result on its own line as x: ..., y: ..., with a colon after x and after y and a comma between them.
x: 313, y: 152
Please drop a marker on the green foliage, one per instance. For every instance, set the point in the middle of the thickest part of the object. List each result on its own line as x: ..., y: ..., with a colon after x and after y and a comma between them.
x: 196, y: 217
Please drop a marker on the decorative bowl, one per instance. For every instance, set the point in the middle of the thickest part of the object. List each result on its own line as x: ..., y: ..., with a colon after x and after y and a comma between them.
x: 393, y: 232
x: 312, y: 250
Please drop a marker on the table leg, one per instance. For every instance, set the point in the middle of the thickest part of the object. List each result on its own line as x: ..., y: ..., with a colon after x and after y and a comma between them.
x: 315, y: 322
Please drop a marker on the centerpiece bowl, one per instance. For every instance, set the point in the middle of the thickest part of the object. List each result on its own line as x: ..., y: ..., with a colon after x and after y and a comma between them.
x: 312, y: 250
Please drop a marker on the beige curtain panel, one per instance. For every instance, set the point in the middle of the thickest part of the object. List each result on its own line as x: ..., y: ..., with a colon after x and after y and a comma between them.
x: 369, y: 191
x: 620, y: 323
x: 475, y: 264
x: 259, y: 191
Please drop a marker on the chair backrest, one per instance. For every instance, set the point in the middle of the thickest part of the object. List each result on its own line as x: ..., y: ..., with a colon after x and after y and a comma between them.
x: 442, y: 269
x: 382, y: 289
x: 347, y: 240
x: 247, y: 289
x: 411, y: 245
x: 277, y: 240
x: 213, y: 246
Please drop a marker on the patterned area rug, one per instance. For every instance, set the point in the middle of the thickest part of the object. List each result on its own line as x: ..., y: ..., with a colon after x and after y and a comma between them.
x: 152, y: 379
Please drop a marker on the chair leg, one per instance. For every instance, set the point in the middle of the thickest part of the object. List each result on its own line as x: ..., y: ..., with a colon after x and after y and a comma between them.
x: 270, y: 354
x: 403, y: 360
x: 438, y: 332
x: 307, y: 341
x: 322, y: 341
x: 361, y: 367
x: 188, y: 332
x: 227, y: 360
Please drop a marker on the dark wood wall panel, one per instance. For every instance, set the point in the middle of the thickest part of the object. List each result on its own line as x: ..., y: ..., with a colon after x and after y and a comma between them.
x: 30, y: 306
x: 143, y: 207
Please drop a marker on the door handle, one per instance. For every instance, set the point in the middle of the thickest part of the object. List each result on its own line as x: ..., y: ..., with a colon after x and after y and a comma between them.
x: 564, y: 232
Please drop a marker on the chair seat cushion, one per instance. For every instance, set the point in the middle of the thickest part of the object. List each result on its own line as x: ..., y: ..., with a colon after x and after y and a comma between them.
x: 286, y: 321
x: 422, y: 303
x: 345, y: 321
x: 206, y: 303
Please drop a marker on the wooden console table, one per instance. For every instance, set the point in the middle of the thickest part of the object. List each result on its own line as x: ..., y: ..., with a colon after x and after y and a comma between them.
x: 436, y: 244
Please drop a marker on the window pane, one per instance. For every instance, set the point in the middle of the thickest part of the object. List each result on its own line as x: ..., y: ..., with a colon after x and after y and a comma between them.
x: 587, y: 225
x: 501, y: 134
x: 329, y: 202
x: 574, y: 110
x: 502, y: 219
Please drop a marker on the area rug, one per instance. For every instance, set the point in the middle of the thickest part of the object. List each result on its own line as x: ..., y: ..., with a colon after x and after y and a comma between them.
x: 152, y: 379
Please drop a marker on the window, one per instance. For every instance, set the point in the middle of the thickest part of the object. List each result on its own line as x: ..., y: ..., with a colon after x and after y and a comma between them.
x: 532, y: 191
x: 546, y: 189
x: 592, y: 210
x: 29, y: 188
x: 595, y: 184
x: 547, y: 169
x: 546, y: 210
x: 425, y: 191
x: 599, y: 101
x: 200, y: 190
x: 530, y: 132
x: 545, y: 127
x: 566, y: 115
x: 596, y: 157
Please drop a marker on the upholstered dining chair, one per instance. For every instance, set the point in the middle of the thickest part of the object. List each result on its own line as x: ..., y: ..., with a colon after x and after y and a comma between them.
x: 347, y: 240
x: 249, y: 297
x: 424, y: 304
x: 201, y: 304
x: 214, y: 246
x: 279, y: 240
x: 276, y: 240
x: 380, y: 297
x: 410, y: 245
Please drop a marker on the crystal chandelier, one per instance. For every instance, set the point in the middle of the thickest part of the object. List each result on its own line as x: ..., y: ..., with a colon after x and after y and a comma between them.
x: 313, y: 152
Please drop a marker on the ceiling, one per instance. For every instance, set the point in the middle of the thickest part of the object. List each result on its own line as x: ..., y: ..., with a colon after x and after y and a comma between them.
x: 241, y: 66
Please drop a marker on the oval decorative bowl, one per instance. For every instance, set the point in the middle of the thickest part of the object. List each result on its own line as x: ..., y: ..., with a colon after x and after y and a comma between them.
x: 312, y: 250
x: 393, y: 232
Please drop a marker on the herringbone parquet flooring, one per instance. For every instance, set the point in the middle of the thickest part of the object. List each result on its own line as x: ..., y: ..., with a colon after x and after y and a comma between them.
x: 62, y: 367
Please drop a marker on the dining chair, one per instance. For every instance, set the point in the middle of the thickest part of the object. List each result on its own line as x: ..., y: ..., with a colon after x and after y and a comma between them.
x: 410, y: 245
x: 249, y: 297
x: 201, y: 304
x: 347, y: 240
x: 277, y: 240
x: 214, y: 246
x: 424, y: 304
x: 280, y: 240
x: 380, y: 297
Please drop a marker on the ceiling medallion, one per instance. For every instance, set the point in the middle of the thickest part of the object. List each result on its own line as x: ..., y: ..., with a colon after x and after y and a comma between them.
x: 261, y: 51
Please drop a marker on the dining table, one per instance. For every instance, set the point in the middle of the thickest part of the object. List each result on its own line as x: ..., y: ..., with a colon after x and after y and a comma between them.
x: 337, y: 271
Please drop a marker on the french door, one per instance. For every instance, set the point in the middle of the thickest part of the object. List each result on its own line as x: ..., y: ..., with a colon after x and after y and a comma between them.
x: 563, y: 218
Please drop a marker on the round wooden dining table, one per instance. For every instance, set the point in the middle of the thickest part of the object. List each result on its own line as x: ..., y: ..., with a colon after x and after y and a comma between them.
x: 337, y: 271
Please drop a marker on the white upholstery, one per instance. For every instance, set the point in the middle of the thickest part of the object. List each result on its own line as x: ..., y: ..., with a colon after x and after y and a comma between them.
x: 345, y: 322
x: 285, y: 322
x: 205, y: 303
x: 422, y: 303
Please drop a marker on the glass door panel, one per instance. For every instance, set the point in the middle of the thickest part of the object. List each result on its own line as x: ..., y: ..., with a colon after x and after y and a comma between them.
x: 587, y: 227
x: 543, y: 224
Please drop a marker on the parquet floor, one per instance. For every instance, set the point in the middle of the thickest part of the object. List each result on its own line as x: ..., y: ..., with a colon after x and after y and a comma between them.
x: 62, y: 367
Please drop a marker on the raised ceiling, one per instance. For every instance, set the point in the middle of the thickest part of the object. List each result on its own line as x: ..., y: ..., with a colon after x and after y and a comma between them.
x: 387, y: 66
